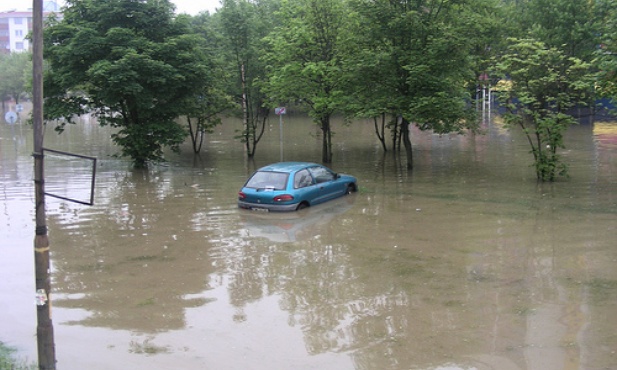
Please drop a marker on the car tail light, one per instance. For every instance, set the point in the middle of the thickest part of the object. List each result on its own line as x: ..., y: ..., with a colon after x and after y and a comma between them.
x: 241, y: 195
x: 283, y: 198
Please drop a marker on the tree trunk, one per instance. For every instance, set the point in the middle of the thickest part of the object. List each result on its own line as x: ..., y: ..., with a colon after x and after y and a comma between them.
x: 192, y: 134
x: 245, y: 115
x: 395, y: 133
x: 381, y: 131
x: 326, y: 156
x: 407, y: 142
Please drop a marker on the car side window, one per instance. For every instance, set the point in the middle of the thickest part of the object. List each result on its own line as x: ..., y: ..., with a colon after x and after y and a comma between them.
x: 321, y: 174
x: 302, y: 179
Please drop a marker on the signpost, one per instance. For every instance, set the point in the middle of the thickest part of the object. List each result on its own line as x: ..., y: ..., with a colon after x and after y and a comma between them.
x: 45, y: 331
x: 10, y: 117
x: 279, y: 112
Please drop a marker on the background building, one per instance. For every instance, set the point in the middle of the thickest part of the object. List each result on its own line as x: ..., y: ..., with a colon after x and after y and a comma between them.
x: 15, y: 26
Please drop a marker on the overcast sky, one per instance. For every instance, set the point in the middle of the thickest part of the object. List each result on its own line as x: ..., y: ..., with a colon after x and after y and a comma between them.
x: 182, y: 6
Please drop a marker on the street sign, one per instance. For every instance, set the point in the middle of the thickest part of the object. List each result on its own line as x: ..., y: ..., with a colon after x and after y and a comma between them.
x: 10, y: 117
x: 279, y: 111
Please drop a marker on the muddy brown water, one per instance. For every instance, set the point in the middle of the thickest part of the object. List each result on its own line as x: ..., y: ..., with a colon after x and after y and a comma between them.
x: 466, y: 262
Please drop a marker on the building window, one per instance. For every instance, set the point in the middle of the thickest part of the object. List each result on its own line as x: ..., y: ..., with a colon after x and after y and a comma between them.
x: 19, y: 33
x: 18, y: 20
x: 19, y: 46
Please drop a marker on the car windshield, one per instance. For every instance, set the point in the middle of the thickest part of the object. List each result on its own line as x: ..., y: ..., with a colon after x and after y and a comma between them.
x: 268, y: 180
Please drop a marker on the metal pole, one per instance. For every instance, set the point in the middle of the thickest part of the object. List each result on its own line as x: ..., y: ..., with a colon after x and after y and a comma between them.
x: 44, y: 330
x: 489, y: 102
x: 281, y: 134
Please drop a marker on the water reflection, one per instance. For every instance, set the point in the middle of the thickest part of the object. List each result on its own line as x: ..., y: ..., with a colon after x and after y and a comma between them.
x: 294, y: 226
x: 136, y: 277
x: 464, y: 263
x: 605, y: 133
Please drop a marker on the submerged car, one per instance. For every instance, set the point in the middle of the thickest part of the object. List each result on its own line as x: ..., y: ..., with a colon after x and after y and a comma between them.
x: 289, y: 186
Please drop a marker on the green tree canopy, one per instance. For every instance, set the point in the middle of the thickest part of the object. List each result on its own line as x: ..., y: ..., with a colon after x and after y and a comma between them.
x: 412, y: 59
x: 15, y: 75
x: 132, y: 64
x: 210, y: 99
x: 606, y: 54
x: 540, y: 85
x: 303, y: 62
x: 572, y: 26
x: 242, y: 25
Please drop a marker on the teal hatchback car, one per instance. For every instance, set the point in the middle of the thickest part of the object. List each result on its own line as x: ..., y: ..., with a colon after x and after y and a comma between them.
x: 289, y: 186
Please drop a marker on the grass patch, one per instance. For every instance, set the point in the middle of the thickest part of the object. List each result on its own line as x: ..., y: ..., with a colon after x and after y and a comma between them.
x: 524, y: 311
x: 147, y: 302
x: 143, y: 258
x: 146, y: 348
x: 603, y: 291
x: 9, y: 362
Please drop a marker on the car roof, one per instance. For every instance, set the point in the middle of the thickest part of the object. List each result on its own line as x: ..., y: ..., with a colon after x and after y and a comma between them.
x: 287, y: 166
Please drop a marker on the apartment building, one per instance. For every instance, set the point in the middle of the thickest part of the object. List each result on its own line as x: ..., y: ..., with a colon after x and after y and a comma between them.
x: 15, y: 26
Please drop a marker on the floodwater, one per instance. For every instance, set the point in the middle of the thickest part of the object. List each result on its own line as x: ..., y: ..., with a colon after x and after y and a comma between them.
x: 466, y: 262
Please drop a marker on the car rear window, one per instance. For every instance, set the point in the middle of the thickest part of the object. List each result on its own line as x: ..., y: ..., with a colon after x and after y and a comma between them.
x: 268, y: 180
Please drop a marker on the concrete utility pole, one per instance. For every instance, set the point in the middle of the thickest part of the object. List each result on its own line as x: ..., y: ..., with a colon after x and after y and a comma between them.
x: 44, y: 330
